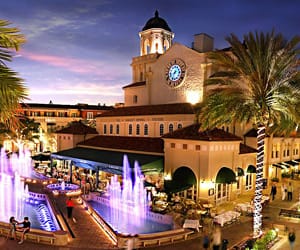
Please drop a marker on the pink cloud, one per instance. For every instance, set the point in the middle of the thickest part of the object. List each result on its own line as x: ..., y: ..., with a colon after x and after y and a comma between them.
x: 70, y: 64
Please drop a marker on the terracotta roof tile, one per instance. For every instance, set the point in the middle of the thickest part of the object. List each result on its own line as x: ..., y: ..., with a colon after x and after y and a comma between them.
x: 192, y: 133
x: 244, y: 149
x: 176, y: 108
x: 143, y: 144
x: 77, y: 128
x: 135, y: 84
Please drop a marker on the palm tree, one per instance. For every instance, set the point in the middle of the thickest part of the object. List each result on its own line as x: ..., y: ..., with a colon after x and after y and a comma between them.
x: 257, y: 82
x: 12, y: 89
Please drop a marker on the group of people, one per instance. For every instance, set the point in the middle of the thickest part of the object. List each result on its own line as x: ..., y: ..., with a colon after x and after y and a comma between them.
x: 13, y: 228
x: 286, y: 191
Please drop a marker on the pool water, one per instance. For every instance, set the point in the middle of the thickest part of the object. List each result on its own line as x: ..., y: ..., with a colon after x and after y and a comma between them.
x: 125, y: 223
x: 39, y: 215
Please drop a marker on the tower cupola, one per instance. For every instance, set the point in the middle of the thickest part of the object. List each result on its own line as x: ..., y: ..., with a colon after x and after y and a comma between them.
x: 156, y: 36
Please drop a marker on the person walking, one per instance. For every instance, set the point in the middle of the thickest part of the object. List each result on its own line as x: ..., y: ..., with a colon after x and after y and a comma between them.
x: 292, y: 238
x: 70, y: 205
x: 205, y: 240
x: 290, y: 192
x: 12, y: 228
x: 24, y: 229
x: 217, y: 238
x: 273, y: 191
x: 283, y: 191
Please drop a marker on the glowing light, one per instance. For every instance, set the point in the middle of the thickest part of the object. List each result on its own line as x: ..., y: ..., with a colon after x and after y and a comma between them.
x: 192, y: 96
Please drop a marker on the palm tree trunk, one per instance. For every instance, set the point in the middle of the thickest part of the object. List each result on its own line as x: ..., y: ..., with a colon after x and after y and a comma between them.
x: 257, y: 218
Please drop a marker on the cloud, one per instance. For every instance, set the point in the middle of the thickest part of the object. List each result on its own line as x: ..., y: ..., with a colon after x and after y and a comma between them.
x: 80, y: 66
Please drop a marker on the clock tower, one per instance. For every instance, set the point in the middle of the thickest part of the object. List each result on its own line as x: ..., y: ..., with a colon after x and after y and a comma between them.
x: 156, y: 36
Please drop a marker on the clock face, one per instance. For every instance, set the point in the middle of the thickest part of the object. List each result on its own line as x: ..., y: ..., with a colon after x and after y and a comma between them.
x: 175, y: 73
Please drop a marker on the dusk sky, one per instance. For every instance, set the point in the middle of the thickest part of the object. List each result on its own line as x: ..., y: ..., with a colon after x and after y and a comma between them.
x: 79, y: 51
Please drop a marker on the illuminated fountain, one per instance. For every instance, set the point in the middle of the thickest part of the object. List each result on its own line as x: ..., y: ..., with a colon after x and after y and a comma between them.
x: 125, y: 206
x: 131, y: 198
x: 15, y: 198
x: 13, y: 190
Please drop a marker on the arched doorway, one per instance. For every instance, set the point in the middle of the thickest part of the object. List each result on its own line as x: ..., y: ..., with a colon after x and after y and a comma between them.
x: 224, y: 178
x: 183, y: 182
x: 251, y: 170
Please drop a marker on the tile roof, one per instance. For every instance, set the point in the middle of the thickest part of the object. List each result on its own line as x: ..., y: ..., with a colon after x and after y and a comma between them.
x: 244, y: 149
x: 131, y: 143
x: 66, y: 106
x: 192, y: 133
x: 135, y: 84
x: 77, y: 128
x: 251, y: 133
x: 175, y: 108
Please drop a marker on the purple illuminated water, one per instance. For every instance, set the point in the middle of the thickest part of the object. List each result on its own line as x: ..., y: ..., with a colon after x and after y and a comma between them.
x: 13, y: 190
x: 126, y: 208
x: 15, y: 199
x: 131, y: 197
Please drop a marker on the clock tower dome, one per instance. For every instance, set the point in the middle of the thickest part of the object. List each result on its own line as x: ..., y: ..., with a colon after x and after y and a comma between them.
x: 156, y: 36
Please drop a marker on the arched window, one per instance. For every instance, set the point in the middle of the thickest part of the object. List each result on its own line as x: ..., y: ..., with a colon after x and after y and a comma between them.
x: 161, y: 129
x: 171, y: 128
x: 104, y: 129
x: 146, y: 47
x: 130, y: 129
x: 118, y: 129
x: 179, y: 126
x: 111, y: 128
x: 146, y: 129
x: 138, y: 129
x: 166, y: 45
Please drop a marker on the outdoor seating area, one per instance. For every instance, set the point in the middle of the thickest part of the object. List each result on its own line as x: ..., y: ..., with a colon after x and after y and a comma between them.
x: 227, y: 217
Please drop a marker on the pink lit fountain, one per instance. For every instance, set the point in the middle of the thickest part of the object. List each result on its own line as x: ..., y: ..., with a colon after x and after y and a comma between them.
x: 131, y: 198
x: 12, y: 187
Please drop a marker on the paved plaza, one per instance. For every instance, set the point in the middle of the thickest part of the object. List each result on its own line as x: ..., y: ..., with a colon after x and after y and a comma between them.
x: 88, y: 235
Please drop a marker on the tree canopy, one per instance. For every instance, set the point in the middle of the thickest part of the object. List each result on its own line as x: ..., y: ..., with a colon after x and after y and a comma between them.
x: 12, y: 88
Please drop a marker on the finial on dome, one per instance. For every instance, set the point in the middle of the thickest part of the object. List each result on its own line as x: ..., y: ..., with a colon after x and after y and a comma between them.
x: 156, y: 13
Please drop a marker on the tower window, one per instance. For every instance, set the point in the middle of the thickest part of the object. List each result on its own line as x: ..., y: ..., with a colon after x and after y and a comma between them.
x: 130, y: 129
x: 171, y: 128
x: 146, y: 129
x: 135, y: 99
x: 161, y: 129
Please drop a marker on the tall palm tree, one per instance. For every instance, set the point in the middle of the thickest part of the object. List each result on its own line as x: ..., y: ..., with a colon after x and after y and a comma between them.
x: 12, y: 89
x: 256, y: 82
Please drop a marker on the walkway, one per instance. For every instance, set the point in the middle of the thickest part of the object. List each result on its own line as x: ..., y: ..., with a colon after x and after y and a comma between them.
x: 88, y: 236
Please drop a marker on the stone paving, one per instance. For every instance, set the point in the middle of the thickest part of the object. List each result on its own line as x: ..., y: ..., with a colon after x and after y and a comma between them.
x: 88, y: 236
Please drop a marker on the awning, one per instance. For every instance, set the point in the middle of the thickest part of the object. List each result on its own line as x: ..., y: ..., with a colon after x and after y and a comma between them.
x: 277, y: 165
x: 171, y: 187
x: 153, y: 167
x: 240, y: 172
x: 292, y: 163
x: 41, y: 157
x: 281, y: 165
x: 225, y: 175
x: 298, y: 160
x: 183, y: 178
x: 251, y: 169
x: 108, y: 161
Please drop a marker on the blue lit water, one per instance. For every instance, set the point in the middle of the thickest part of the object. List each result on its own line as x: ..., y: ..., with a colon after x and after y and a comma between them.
x: 127, y: 223
x: 34, y: 211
